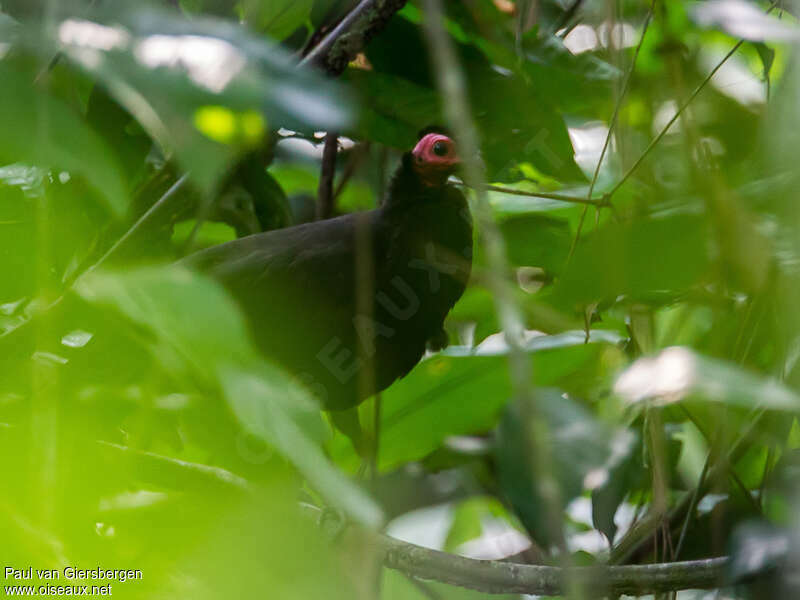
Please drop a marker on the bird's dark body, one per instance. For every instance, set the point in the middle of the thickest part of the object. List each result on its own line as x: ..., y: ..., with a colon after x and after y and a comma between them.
x: 349, y: 304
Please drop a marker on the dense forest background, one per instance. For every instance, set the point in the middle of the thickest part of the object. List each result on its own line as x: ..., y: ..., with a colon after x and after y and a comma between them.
x: 621, y: 385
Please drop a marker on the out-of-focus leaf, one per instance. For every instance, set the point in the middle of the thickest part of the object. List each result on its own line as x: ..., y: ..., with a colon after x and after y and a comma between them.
x: 397, y: 108
x: 537, y: 240
x: 203, y: 88
x: 579, y: 449
x: 636, y: 258
x: 264, y: 409
x: 463, y: 390
x: 743, y: 20
x: 466, y: 524
x: 264, y: 546
x: 277, y: 18
x: 171, y: 302
x: 767, y: 56
x: 39, y: 129
x: 677, y: 373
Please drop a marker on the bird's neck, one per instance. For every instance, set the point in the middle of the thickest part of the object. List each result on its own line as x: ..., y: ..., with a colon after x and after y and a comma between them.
x: 406, y: 187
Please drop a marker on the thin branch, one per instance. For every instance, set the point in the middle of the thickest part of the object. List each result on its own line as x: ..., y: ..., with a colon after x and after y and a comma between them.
x: 327, y: 173
x: 602, y: 201
x: 502, y: 577
x: 497, y: 577
x: 352, y: 33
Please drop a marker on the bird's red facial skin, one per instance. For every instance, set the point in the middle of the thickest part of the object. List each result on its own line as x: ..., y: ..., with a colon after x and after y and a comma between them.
x: 435, y: 158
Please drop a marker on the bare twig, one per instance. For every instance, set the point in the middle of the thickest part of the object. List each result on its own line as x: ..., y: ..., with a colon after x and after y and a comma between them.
x: 352, y: 33
x: 326, y: 175
x: 602, y: 201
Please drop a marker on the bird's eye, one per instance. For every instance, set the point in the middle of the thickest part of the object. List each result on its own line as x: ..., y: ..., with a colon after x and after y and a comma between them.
x: 440, y: 149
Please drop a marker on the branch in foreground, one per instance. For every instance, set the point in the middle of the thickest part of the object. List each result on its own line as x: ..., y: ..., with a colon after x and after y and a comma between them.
x: 489, y: 576
x: 497, y: 577
x: 352, y: 34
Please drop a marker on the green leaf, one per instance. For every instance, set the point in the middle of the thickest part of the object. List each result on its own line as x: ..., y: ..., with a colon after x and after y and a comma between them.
x: 264, y: 406
x: 767, y: 56
x: 757, y: 546
x: 277, y: 18
x: 466, y: 523
x: 512, y: 131
x: 170, y: 302
x: 638, y: 258
x: 624, y: 469
x: 537, y: 240
x: 580, y: 450
x: 204, y: 88
x: 464, y: 390
x: 41, y: 130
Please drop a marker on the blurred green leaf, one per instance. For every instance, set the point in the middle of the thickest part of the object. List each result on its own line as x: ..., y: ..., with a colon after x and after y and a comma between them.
x: 580, y: 449
x: 511, y: 132
x: 40, y: 130
x: 464, y: 390
x: 466, y: 524
x: 276, y: 18
x: 636, y: 258
x: 205, y: 89
x: 537, y: 240
x: 170, y: 302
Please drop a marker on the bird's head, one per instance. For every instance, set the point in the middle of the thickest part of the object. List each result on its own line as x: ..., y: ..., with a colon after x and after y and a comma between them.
x: 434, y: 159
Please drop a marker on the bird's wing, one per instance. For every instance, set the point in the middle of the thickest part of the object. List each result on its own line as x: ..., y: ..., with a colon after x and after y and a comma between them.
x: 320, y: 255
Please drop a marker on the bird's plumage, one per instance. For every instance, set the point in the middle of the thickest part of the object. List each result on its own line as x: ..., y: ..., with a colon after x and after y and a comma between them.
x: 348, y: 304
